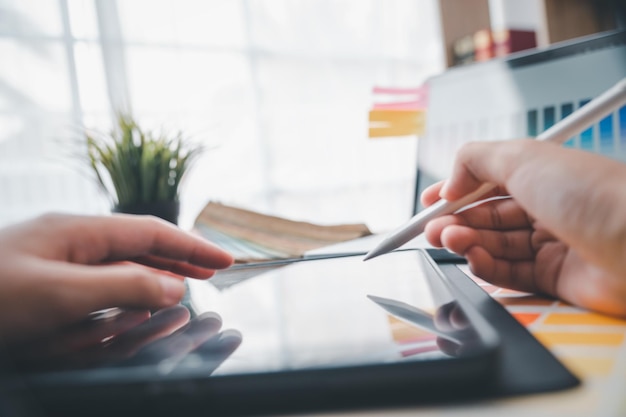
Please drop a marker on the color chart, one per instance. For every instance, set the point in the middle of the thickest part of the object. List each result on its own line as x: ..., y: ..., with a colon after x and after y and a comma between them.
x: 607, y: 137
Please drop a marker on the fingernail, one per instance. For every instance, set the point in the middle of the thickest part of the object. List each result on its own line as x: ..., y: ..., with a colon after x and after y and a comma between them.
x: 173, y: 290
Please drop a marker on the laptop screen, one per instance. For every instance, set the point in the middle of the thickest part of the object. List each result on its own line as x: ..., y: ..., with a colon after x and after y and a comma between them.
x: 521, y: 96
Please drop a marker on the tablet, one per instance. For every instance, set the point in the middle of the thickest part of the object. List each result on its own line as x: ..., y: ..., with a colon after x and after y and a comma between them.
x: 328, y: 333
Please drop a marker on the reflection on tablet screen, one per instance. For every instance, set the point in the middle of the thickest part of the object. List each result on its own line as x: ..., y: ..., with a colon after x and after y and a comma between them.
x: 316, y: 314
x: 118, y: 338
x: 321, y: 314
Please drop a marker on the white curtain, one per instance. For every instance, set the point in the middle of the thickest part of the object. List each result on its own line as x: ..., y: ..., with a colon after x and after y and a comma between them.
x: 278, y: 90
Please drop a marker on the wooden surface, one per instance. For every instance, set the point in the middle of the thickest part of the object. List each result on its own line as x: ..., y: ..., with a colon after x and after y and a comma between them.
x: 460, y: 18
x: 559, y: 20
x: 569, y: 19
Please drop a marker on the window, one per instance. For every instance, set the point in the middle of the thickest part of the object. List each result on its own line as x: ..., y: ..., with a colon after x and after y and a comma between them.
x: 278, y: 90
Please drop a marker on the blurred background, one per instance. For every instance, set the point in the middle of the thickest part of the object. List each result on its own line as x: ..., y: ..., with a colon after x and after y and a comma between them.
x: 279, y: 92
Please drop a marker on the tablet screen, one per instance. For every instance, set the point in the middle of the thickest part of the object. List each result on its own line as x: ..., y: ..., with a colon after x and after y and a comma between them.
x: 310, y: 315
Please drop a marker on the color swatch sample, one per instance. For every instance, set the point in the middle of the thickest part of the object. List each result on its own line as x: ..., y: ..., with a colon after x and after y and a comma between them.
x: 622, y: 126
x: 607, y: 137
x: 398, y: 112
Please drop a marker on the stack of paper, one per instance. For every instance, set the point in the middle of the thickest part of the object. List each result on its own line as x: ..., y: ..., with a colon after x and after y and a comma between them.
x: 252, y: 236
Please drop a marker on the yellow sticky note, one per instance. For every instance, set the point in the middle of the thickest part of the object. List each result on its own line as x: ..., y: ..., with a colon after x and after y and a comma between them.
x: 384, y: 123
x: 412, y: 117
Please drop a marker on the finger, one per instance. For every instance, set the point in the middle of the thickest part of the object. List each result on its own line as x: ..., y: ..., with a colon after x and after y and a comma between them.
x: 83, y: 289
x: 177, y: 267
x: 163, y: 323
x: 120, y: 237
x: 450, y: 317
x: 510, y: 245
x: 203, y: 327
x: 498, y: 214
x: 448, y: 347
x: 442, y: 317
x: 213, y: 352
x: 503, y: 214
x: 226, y: 343
x: 180, y: 342
x: 479, y: 162
x: 431, y: 194
x: 516, y: 275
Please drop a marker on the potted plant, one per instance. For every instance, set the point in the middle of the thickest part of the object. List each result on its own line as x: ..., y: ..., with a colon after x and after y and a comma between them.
x: 141, y: 171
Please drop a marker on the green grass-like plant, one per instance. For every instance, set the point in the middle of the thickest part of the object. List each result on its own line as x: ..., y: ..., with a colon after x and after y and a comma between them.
x: 134, y: 166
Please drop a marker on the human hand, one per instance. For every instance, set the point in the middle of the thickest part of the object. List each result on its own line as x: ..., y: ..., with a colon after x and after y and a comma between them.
x: 57, y: 269
x: 563, y: 232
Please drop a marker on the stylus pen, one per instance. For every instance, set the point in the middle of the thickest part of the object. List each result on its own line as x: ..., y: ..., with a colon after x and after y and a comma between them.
x: 573, y: 124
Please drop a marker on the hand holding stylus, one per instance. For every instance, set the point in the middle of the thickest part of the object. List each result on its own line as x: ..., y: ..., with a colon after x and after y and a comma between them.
x: 576, y: 122
x: 562, y: 233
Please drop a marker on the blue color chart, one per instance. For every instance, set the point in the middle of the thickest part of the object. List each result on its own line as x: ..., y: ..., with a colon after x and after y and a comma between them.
x: 607, y: 137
